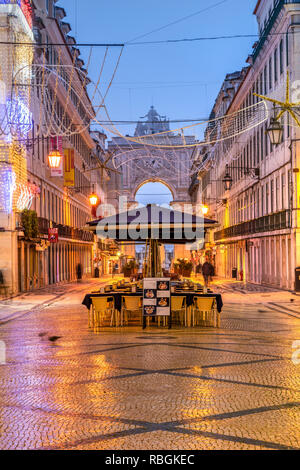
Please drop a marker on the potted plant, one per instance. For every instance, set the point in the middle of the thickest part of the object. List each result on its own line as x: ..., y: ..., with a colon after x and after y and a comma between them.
x: 176, y: 268
x: 187, y: 269
x: 30, y: 224
x: 183, y: 267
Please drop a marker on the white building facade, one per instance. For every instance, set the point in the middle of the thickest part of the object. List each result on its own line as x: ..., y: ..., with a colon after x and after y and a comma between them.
x: 258, y: 238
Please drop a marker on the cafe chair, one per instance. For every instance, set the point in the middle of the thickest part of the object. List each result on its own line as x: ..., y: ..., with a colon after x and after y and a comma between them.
x: 130, y: 305
x: 179, y: 310
x: 204, y: 312
x: 101, y: 306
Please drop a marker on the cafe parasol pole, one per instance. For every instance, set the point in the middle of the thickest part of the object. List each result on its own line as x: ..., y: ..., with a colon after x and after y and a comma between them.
x: 152, y: 263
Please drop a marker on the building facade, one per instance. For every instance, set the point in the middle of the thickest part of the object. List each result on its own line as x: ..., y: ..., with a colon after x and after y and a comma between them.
x: 258, y: 237
x: 36, y: 258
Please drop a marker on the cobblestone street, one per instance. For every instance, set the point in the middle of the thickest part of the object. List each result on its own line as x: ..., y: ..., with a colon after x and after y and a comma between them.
x: 230, y: 388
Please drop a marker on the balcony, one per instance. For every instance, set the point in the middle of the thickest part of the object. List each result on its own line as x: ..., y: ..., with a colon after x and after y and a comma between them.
x: 65, y: 231
x: 269, y: 223
x: 270, y: 23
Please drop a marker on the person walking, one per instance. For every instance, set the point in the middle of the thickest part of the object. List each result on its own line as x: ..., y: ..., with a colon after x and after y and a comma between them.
x: 207, y: 270
x: 115, y: 269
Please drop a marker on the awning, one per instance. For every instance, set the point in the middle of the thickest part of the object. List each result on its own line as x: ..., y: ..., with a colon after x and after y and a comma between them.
x: 152, y: 222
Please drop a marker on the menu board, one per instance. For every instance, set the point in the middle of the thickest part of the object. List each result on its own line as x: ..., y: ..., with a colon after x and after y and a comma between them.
x: 157, y: 297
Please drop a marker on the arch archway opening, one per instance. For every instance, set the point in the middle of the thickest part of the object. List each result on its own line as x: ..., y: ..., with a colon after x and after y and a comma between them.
x: 154, y: 192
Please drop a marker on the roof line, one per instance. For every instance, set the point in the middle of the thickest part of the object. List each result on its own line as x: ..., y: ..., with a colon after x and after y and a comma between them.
x: 257, y: 6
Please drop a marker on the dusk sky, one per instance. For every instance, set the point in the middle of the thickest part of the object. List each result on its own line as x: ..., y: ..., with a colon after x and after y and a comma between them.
x: 181, y: 80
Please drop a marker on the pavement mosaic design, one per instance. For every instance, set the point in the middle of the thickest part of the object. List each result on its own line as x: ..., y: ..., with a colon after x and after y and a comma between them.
x: 232, y: 388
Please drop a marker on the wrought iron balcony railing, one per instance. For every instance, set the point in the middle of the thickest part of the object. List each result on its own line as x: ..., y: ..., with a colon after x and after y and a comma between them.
x: 269, y: 223
x: 65, y: 231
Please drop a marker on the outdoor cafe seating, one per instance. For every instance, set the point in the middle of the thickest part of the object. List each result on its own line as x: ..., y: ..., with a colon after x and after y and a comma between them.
x: 120, y: 304
x: 123, y: 303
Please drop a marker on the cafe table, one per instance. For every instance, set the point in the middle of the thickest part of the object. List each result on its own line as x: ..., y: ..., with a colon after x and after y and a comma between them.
x: 117, y: 295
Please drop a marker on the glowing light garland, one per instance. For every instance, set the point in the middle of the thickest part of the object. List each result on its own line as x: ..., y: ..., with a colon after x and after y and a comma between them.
x: 19, y: 118
x: 7, y: 179
x: 26, y: 195
x: 15, y: 115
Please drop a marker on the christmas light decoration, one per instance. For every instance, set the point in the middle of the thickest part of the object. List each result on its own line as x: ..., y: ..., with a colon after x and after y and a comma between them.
x: 19, y: 117
x: 15, y: 104
x: 7, y: 185
x: 27, y: 192
x: 286, y: 106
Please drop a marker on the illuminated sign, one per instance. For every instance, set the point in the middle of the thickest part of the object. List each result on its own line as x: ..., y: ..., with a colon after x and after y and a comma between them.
x: 25, y: 6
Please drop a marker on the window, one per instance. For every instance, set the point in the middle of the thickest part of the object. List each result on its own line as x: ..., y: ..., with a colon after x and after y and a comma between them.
x: 290, y: 187
x: 266, y: 141
x: 272, y: 196
x: 277, y: 195
x: 275, y: 66
x: 270, y: 73
x: 281, y: 57
x: 262, y: 200
x: 49, y: 206
x: 265, y: 80
x: 283, y: 191
x: 256, y: 161
x: 261, y: 84
x: 262, y: 150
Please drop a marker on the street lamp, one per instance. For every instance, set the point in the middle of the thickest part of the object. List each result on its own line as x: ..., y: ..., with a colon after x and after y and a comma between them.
x: 54, y: 159
x: 275, y: 131
x: 227, y: 180
x: 93, y: 199
x: 204, y: 209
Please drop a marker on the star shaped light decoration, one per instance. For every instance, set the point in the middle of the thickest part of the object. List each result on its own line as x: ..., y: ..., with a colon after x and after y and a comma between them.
x: 286, y: 106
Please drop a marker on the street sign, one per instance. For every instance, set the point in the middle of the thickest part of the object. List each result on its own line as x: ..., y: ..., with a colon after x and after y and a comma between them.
x: 53, y: 235
x: 157, y: 297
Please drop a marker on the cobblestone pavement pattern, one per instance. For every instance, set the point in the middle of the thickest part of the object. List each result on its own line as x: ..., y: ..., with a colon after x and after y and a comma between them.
x: 232, y: 388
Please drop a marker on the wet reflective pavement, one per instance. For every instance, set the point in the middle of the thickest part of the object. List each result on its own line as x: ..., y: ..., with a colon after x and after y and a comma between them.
x: 232, y: 388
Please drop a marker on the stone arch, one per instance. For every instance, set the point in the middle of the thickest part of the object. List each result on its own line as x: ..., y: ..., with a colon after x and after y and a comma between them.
x: 154, y: 180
